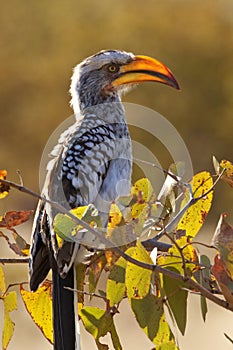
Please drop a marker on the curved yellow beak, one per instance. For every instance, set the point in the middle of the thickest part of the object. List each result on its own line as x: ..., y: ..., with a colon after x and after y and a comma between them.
x: 144, y: 68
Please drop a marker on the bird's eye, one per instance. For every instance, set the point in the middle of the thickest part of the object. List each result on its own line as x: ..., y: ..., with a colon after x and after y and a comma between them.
x: 113, y: 68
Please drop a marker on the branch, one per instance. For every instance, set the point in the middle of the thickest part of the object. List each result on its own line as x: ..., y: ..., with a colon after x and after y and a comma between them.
x: 155, y: 268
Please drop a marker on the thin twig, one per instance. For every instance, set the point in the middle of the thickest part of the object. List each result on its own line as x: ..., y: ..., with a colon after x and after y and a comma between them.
x: 14, y: 260
x: 199, y: 243
x: 180, y: 250
x: 166, y: 172
x: 20, y: 177
x: 86, y: 293
x: 13, y: 285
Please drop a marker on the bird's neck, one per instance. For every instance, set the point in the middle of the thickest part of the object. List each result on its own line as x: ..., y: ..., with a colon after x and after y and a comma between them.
x: 109, y: 109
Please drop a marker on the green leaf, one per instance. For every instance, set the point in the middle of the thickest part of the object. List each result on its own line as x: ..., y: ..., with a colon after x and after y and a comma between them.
x: 67, y: 229
x: 96, y: 322
x: 204, y: 308
x: 150, y: 317
x: 116, y: 282
x: 63, y: 226
x: 177, y: 299
x: 80, y: 282
x: 115, y: 338
x: 203, y: 276
x: 138, y: 279
x: 148, y: 312
x: 99, y: 322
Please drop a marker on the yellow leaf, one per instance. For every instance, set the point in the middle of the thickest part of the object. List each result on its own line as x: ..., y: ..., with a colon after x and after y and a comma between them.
x: 143, y: 190
x: 39, y: 306
x: 115, y: 216
x: 139, y: 213
x: 138, y: 279
x: 10, y: 304
x: 2, y: 281
x: 228, y: 174
x: 4, y: 189
x: 194, y: 217
x: 79, y: 211
x: 26, y: 251
x: 137, y: 209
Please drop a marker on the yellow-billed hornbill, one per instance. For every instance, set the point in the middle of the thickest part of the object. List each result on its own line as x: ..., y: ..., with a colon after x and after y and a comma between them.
x: 91, y: 164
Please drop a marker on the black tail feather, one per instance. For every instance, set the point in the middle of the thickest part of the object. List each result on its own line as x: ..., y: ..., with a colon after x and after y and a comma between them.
x: 64, y: 312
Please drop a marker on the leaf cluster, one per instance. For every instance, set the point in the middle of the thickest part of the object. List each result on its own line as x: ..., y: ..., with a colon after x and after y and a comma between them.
x: 156, y: 282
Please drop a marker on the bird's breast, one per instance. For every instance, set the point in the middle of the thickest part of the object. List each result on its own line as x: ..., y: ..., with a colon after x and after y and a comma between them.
x: 97, y: 164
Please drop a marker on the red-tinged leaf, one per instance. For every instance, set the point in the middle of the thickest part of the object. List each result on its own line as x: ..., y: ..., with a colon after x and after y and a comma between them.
x: 223, y: 241
x: 95, y: 271
x: 39, y: 307
x: 4, y: 189
x: 14, y: 218
x: 224, y: 280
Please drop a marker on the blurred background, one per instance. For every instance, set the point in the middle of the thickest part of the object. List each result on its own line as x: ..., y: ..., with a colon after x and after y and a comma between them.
x: 40, y: 43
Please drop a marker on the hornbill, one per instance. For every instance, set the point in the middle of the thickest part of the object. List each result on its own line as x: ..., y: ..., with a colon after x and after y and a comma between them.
x: 91, y: 163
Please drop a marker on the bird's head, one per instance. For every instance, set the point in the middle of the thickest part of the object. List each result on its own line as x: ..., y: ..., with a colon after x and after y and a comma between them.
x: 102, y: 77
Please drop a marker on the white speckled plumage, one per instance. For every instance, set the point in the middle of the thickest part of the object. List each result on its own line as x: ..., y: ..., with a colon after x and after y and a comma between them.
x: 92, y: 156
